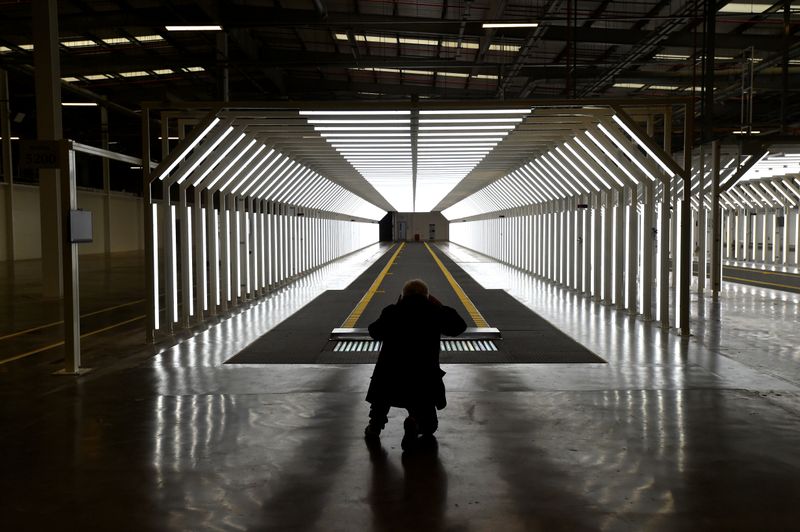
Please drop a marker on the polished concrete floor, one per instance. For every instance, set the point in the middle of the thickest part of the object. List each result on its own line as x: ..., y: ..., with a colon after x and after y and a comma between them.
x: 699, y: 433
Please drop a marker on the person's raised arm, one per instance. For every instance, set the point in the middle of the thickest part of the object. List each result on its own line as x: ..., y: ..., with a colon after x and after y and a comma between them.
x: 451, y: 322
x: 379, y: 328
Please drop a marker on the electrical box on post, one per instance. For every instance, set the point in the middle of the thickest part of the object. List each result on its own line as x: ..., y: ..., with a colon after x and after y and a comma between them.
x: 80, y: 227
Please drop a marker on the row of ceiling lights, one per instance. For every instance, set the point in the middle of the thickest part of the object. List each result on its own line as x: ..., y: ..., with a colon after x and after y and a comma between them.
x: 449, y: 144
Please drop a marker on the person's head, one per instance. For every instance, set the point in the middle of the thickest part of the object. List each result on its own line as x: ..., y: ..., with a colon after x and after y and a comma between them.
x: 415, y: 287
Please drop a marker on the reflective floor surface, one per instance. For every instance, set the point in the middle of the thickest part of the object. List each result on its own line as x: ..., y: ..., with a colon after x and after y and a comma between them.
x: 674, y: 433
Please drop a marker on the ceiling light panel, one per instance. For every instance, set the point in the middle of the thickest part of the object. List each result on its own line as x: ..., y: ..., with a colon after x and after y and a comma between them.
x: 448, y: 145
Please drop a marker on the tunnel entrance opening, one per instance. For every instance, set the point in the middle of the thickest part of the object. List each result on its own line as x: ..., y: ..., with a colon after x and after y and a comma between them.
x: 582, y: 193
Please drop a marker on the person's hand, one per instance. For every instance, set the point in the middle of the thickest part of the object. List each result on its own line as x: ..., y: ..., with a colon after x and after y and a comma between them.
x: 434, y: 300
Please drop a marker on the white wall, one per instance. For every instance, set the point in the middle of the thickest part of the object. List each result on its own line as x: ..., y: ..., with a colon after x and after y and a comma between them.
x: 419, y: 223
x: 127, y: 224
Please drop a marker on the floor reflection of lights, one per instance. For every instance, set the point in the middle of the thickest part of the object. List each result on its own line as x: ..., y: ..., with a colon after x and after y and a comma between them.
x: 747, y: 323
x: 213, y: 346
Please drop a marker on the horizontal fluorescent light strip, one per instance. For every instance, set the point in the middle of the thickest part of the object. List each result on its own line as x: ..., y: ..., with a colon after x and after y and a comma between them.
x: 492, y: 25
x: 210, y: 27
x: 361, y: 136
x: 474, y: 111
x: 377, y: 146
x: 462, y: 145
x: 355, y: 128
x: 460, y: 134
x: 468, y: 120
x: 456, y: 141
x: 404, y: 71
x: 467, y: 45
x: 462, y: 128
x: 363, y: 122
x: 751, y: 8
x: 348, y: 113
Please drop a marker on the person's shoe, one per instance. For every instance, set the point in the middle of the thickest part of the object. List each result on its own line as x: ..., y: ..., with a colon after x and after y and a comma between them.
x: 372, y: 433
x: 411, y: 432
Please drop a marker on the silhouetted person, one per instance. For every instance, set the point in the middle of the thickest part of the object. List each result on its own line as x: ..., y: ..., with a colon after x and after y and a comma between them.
x: 407, y: 374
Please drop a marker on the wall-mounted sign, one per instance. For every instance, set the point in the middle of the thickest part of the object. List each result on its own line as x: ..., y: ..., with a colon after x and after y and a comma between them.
x: 39, y: 154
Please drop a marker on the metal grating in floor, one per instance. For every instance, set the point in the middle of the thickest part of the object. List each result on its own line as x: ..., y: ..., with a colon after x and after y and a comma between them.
x: 445, y: 345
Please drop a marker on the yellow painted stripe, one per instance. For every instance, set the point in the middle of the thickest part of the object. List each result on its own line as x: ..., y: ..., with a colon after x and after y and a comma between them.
x: 753, y: 282
x: 755, y: 270
x: 473, y: 312
x: 57, y: 344
x: 351, y: 320
x: 37, y: 328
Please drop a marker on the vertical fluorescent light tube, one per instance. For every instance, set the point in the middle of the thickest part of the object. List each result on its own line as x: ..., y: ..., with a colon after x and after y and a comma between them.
x: 228, y: 269
x: 614, y: 265
x: 174, y: 245
x: 189, y: 262
x: 216, y: 254
x: 262, y: 218
x: 603, y: 212
x: 247, y: 253
x: 590, y: 247
x: 238, y: 276
x: 155, y: 267
x: 785, y: 257
x: 745, y: 231
x: 659, y: 251
x: 678, y: 265
x: 625, y: 236
x: 204, y: 255
x: 642, y: 251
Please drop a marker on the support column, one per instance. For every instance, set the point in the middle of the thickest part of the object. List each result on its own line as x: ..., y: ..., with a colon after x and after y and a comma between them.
x: 47, y: 76
x: 716, y: 223
x: 702, y: 263
x: 150, y: 238
x: 685, y: 243
x: 72, y: 312
x: 8, y: 174
x: 106, y: 182
x: 663, y: 252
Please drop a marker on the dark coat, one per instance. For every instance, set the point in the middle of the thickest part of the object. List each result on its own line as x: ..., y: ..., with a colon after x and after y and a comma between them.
x: 407, y: 372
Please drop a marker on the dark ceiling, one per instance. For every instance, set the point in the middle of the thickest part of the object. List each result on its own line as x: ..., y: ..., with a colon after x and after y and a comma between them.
x: 393, y: 49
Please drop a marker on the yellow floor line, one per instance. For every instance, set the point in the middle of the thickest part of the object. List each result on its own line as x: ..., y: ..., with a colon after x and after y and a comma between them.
x: 473, y: 312
x: 351, y: 320
x: 756, y: 270
x: 39, y: 327
x: 753, y: 282
x: 57, y: 344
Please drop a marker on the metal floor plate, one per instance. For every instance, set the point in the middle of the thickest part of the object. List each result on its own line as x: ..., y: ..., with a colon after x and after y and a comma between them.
x: 445, y: 345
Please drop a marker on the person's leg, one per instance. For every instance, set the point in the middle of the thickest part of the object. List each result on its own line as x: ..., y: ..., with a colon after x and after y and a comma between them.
x: 426, y: 418
x: 378, y: 416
